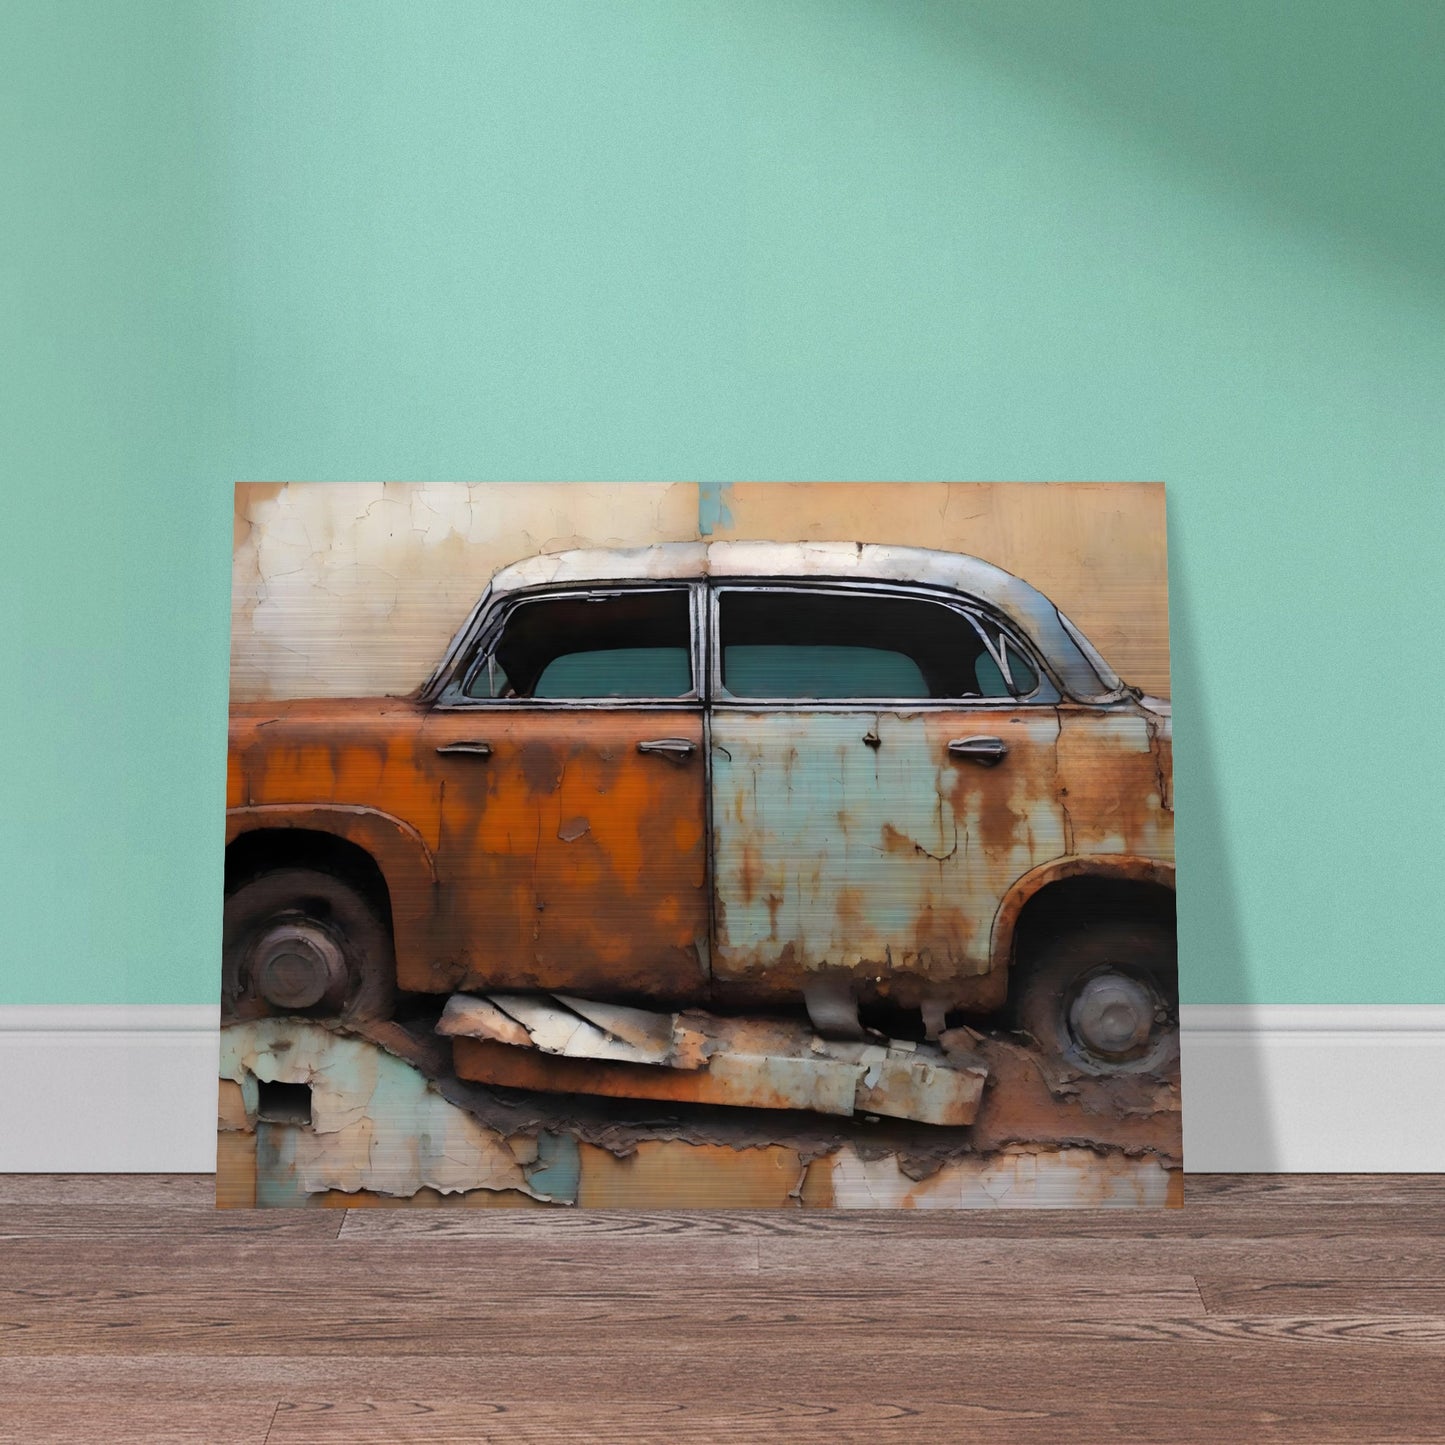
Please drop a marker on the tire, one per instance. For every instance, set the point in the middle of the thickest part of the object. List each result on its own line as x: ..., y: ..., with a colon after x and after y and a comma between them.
x: 1095, y: 982
x: 299, y: 941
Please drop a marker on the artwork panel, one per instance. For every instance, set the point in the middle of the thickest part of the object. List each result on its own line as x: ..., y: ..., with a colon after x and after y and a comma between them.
x: 667, y: 845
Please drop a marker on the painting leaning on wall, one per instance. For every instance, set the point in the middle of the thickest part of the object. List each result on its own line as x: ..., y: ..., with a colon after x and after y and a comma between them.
x: 661, y: 845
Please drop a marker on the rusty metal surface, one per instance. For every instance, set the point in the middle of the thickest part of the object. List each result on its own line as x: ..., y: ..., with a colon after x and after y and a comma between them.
x: 538, y: 848
x: 1030, y: 1099
x: 853, y: 843
x: 1036, y: 1101
x: 1118, y: 768
x: 818, y: 1085
x: 706, y: 1059
x: 565, y: 859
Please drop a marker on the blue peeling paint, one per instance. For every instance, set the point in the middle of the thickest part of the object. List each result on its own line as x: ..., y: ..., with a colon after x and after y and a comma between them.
x: 712, y: 507
x: 558, y: 1169
x: 277, y: 1186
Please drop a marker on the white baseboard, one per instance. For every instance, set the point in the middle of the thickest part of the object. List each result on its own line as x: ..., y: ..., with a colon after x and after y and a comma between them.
x: 108, y: 1088
x: 1314, y: 1088
x: 1271, y: 1088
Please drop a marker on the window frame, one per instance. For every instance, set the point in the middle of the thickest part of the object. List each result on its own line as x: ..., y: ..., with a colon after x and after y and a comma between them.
x: 1046, y: 691
x: 452, y: 695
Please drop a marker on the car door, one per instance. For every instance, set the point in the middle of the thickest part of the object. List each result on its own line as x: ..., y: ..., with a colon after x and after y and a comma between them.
x: 572, y: 842
x: 882, y: 770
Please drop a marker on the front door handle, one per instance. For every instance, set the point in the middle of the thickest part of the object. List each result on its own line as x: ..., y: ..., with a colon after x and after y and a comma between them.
x: 466, y: 749
x: 678, y: 749
x: 987, y: 751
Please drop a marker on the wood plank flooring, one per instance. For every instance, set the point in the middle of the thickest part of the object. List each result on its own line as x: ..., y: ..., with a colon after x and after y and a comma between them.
x: 1277, y: 1308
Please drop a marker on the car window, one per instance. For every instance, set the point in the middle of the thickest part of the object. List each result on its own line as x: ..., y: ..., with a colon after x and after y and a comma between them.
x: 988, y: 669
x: 830, y: 670
x: 634, y: 644
x: 820, y: 645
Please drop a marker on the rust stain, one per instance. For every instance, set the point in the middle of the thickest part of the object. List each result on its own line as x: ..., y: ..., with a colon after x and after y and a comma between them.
x: 488, y: 1062
x: 1035, y: 1100
x: 774, y: 903
x: 565, y: 859
x: 541, y: 769
x: 748, y: 1062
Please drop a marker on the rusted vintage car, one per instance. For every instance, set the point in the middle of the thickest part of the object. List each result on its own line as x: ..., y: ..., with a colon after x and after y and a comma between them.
x: 742, y: 775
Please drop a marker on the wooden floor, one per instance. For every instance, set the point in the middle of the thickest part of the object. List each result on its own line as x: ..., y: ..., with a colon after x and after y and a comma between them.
x: 1268, y: 1309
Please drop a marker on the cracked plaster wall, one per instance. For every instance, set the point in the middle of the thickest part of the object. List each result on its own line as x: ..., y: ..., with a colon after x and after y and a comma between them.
x: 344, y: 589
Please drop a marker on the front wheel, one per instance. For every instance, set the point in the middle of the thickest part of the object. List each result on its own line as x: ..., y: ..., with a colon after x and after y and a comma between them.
x: 296, y: 940
x: 1104, y: 998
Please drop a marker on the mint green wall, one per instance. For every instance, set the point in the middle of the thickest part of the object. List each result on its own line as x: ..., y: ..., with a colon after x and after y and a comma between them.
x: 1193, y: 241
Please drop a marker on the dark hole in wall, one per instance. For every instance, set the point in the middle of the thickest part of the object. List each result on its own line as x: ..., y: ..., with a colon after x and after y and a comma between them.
x: 283, y: 1103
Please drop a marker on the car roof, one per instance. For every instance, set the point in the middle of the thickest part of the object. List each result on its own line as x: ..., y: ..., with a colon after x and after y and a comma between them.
x: 1084, y: 674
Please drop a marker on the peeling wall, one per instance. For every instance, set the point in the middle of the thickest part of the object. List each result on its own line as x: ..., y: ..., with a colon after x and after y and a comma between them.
x: 350, y: 589
x: 389, y: 1125
x: 347, y: 589
x: 374, y: 1123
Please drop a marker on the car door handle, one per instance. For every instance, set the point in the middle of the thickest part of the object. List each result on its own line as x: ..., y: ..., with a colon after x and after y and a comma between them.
x: 465, y: 749
x: 677, y: 749
x: 988, y: 751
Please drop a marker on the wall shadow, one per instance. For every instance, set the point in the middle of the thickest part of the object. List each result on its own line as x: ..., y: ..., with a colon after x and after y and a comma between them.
x: 1324, y: 117
x: 1213, y: 960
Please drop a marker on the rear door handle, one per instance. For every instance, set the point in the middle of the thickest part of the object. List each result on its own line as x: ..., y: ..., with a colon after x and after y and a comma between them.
x: 988, y: 751
x: 676, y: 748
x: 466, y: 749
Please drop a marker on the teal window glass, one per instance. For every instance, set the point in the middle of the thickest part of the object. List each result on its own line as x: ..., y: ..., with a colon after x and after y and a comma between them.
x: 820, y: 645
x: 625, y: 644
x: 616, y: 672
x: 827, y: 671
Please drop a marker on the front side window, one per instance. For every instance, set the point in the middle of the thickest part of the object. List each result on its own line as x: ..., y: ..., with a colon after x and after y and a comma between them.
x: 630, y: 644
x: 817, y: 645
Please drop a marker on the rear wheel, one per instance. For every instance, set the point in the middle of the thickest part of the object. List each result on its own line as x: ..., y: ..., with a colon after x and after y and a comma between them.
x: 296, y: 940
x: 1104, y: 998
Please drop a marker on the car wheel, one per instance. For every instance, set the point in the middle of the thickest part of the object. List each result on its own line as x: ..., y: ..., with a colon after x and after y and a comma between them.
x: 297, y: 940
x: 1104, y: 998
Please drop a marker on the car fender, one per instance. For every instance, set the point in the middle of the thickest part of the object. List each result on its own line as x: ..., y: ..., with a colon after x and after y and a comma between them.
x: 399, y: 851
x: 1124, y: 867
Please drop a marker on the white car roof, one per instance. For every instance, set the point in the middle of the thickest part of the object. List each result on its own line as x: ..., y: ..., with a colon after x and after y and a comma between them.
x: 1084, y: 674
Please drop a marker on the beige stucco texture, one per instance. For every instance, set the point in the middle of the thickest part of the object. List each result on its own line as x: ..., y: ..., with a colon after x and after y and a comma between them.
x: 346, y: 589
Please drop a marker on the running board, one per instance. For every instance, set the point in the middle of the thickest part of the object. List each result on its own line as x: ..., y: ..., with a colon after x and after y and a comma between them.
x: 558, y: 1044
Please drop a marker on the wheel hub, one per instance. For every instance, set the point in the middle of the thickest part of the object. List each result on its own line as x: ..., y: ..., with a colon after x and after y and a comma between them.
x: 1113, y: 1015
x: 299, y: 965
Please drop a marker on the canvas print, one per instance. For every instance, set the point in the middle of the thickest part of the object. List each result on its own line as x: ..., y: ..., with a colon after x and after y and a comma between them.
x: 759, y: 845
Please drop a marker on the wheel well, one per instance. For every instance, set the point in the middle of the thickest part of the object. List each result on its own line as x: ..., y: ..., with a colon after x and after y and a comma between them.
x: 263, y: 849
x: 1088, y: 901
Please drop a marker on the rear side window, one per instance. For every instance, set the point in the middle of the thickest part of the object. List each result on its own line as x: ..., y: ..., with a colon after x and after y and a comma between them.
x: 634, y: 644
x: 821, y: 645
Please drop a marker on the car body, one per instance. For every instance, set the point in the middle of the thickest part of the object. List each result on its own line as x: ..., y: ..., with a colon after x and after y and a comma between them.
x: 733, y: 774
